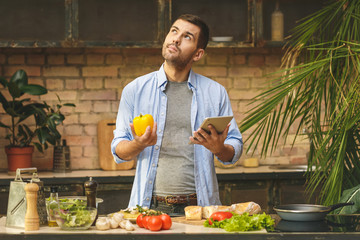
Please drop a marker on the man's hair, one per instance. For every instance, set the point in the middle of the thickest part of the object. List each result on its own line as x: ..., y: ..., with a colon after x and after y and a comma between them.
x: 204, y: 29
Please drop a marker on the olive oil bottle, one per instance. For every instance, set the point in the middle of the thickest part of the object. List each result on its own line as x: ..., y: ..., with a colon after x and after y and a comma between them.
x: 51, y: 205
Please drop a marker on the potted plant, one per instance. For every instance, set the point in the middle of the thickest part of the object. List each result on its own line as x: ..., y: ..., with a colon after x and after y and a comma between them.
x: 23, y: 133
x: 318, y: 92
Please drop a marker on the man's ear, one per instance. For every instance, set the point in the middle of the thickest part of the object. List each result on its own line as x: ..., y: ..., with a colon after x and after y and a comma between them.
x: 199, y: 54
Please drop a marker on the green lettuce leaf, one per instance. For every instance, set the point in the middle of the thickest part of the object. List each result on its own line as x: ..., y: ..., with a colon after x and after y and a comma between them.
x: 244, y: 222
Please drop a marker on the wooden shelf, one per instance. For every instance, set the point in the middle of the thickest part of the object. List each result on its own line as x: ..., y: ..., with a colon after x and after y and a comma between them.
x: 141, y: 23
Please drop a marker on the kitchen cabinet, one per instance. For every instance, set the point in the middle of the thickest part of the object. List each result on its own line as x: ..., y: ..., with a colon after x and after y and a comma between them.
x: 266, y: 192
x: 117, y: 23
x: 262, y: 185
x: 232, y: 18
x: 33, y: 23
x: 81, y: 23
x: 141, y: 23
x: 292, y: 10
x: 114, y: 20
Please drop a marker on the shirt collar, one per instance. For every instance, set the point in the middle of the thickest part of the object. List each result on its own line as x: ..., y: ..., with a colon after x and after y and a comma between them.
x: 162, y: 79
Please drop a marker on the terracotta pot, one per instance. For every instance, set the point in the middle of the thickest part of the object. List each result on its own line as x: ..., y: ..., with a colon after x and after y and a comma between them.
x: 19, y: 157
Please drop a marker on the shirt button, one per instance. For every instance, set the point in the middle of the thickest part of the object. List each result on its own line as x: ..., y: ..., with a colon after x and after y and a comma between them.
x: 147, y: 199
x: 159, y: 130
x: 156, y: 147
x: 153, y: 165
x: 150, y: 182
x: 162, y: 114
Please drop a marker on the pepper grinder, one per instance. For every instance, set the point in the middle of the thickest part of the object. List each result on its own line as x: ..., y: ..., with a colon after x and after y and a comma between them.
x: 32, y: 220
x: 90, y: 192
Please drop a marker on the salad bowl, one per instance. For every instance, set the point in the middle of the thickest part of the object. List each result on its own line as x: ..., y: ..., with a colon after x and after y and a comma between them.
x: 74, y: 216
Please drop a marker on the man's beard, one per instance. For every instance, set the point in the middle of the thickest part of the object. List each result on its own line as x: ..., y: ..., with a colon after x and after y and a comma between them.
x: 179, y: 62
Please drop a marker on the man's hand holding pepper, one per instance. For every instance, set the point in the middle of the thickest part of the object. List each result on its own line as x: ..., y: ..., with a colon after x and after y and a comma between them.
x: 149, y: 138
x: 128, y: 150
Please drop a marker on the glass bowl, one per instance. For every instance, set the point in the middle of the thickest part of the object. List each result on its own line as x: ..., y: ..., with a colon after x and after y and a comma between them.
x: 70, y: 216
x: 78, y: 199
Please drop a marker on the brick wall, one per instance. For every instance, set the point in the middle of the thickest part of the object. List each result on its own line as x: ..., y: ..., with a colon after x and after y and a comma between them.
x: 93, y: 78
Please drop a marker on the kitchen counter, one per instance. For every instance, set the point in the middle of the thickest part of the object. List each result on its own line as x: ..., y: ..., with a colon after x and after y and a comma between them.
x: 177, y: 231
x: 236, y: 173
x: 264, y: 185
x: 265, y: 181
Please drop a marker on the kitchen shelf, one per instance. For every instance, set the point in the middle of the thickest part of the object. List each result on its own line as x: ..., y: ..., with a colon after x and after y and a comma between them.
x: 141, y: 23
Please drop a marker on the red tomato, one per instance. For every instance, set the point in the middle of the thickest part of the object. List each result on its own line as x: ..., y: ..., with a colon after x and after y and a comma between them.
x: 219, y: 216
x: 145, y: 221
x: 154, y: 223
x: 166, y: 221
x: 139, y: 220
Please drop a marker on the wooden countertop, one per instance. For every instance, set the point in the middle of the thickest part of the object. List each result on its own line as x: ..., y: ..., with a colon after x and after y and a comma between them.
x: 177, y: 231
x: 176, y: 228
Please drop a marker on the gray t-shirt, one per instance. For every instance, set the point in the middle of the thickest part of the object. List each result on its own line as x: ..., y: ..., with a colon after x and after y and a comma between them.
x: 175, y: 172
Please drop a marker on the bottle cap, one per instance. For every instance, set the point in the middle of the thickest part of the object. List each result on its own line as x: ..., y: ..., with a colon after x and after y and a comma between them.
x: 53, y: 189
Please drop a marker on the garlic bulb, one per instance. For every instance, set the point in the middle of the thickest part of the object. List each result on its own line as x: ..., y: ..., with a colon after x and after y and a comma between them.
x: 129, y: 226
x: 102, y: 223
x: 118, y: 217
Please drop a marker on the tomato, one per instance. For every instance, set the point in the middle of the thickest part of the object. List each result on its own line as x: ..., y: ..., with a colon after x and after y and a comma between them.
x: 166, y: 221
x: 145, y: 220
x: 139, y: 220
x: 142, y: 122
x: 219, y: 216
x: 154, y: 223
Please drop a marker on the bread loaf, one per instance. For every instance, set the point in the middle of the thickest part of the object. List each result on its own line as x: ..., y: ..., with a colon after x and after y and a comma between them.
x: 249, y: 207
x: 208, y: 210
x: 193, y: 212
x: 198, y: 212
x: 222, y: 208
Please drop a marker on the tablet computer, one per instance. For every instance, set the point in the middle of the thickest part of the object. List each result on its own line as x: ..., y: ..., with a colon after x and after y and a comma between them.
x: 219, y: 123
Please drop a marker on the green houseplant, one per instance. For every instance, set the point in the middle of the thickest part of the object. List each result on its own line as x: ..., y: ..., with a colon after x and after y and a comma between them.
x: 22, y: 132
x: 319, y: 92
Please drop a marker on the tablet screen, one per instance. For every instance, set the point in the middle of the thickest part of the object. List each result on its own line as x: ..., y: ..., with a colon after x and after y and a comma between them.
x: 219, y: 123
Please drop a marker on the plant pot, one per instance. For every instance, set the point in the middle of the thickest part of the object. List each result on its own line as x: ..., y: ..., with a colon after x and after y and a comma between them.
x: 19, y: 157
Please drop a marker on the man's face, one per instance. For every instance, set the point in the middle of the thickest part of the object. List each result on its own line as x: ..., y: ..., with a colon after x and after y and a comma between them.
x: 180, y: 45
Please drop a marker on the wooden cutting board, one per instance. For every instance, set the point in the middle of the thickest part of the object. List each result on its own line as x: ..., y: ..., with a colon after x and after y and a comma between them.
x: 105, y: 136
x: 191, y: 222
x: 201, y: 223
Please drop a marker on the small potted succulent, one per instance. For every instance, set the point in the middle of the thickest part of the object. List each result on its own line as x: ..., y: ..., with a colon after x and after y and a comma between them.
x: 24, y: 134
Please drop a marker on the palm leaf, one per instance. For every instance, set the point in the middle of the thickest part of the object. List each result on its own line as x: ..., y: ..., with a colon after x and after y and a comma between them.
x: 318, y: 92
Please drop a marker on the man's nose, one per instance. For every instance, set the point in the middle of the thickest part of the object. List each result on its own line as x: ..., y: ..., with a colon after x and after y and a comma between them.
x: 177, y: 39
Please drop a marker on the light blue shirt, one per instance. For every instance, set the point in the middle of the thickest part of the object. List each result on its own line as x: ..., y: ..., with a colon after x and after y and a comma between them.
x: 145, y: 95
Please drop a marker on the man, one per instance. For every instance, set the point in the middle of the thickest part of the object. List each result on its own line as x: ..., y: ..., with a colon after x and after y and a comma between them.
x: 170, y: 172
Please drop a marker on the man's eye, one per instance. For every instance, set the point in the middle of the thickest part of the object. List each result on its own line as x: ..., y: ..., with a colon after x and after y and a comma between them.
x: 173, y: 30
x: 188, y: 37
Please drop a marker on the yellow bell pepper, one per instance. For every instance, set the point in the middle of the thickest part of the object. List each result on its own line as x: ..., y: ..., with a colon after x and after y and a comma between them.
x: 142, y: 122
